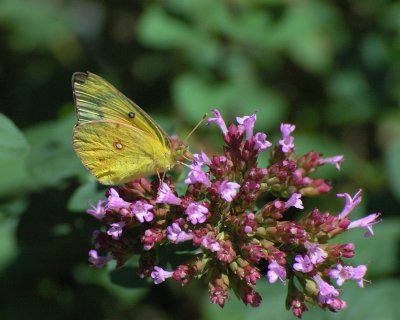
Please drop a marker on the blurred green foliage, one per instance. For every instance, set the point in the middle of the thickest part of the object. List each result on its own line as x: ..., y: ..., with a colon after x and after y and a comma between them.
x: 332, y: 68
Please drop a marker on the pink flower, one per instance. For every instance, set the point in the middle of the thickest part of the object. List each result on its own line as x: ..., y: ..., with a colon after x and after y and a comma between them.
x: 303, y: 264
x: 366, y: 222
x: 287, y: 140
x: 261, y: 142
x: 116, y: 230
x: 98, y: 261
x: 341, y: 274
x: 336, y: 160
x: 97, y: 211
x: 248, y: 123
x: 197, y: 175
x: 228, y: 190
x: 196, y: 213
x: 219, y: 121
x: 165, y: 195
x: 316, y: 254
x: 351, y: 203
x: 276, y: 271
x: 141, y: 210
x: 175, y: 234
x: 160, y: 275
x: 210, y: 244
x: 327, y: 293
x: 115, y: 202
x: 294, y: 201
x: 201, y: 158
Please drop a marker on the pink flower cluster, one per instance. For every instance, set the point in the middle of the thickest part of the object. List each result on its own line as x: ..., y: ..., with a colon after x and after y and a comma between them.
x: 241, y: 223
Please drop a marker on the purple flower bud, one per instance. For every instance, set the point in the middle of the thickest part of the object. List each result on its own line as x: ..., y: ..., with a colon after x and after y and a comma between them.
x: 97, y: 211
x: 116, y: 230
x: 141, y: 210
x: 175, y: 234
x: 248, y: 123
x: 351, y: 203
x: 276, y: 271
x: 160, y: 275
x: 219, y: 121
x: 336, y: 160
x: 165, y: 195
x: 115, y: 202
x: 196, y: 213
x: 228, y: 190
x: 261, y: 143
x: 287, y: 140
x: 303, y: 264
x: 366, y: 222
x: 201, y: 158
x: 210, y: 244
x: 196, y: 175
x: 294, y: 201
x: 98, y: 261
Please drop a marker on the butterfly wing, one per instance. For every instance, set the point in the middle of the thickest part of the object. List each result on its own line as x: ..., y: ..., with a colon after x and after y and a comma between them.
x: 98, y: 100
x: 118, y: 152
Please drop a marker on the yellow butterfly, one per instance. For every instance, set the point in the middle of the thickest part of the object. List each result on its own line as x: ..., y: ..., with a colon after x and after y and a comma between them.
x: 114, y: 138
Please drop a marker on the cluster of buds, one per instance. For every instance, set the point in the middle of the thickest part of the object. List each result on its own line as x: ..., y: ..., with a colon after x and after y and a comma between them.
x: 237, y: 222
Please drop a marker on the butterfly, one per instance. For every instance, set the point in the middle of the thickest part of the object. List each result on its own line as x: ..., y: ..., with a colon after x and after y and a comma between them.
x: 114, y: 138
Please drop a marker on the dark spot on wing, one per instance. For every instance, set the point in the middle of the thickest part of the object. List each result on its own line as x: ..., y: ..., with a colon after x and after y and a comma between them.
x: 131, y: 115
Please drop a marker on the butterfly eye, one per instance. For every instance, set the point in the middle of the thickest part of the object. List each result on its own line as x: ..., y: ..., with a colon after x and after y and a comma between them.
x: 131, y: 115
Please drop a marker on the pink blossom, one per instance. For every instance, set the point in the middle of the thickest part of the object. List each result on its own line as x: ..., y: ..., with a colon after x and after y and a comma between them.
x: 175, y: 234
x: 316, y: 254
x: 261, y: 142
x: 351, y: 203
x: 343, y: 273
x: 97, y: 211
x: 116, y: 230
x: 219, y: 121
x: 248, y: 123
x: 141, y: 210
x: 196, y: 213
x: 98, y: 261
x: 366, y: 222
x: 160, y: 275
x: 196, y: 175
x: 294, y: 201
x: 228, y: 190
x: 165, y: 195
x: 115, y: 202
x: 287, y: 140
x: 336, y: 160
x: 210, y: 243
x: 276, y: 271
x: 303, y: 264
x: 201, y: 158
x: 327, y: 292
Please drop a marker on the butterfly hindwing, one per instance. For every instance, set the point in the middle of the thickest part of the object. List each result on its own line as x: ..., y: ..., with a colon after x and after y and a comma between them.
x: 118, y: 152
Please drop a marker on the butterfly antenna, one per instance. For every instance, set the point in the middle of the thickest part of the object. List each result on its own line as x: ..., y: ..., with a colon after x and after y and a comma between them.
x: 197, y: 125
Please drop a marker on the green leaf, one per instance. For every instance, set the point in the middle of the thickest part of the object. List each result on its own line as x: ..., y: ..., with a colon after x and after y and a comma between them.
x: 87, y: 192
x: 128, y: 277
x: 12, y: 142
x: 52, y: 158
x: 392, y: 160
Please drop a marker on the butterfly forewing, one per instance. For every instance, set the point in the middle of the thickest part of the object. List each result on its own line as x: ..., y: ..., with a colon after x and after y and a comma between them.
x: 96, y: 99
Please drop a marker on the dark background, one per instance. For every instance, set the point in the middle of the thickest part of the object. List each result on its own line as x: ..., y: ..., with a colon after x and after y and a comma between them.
x: 331, y: 68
